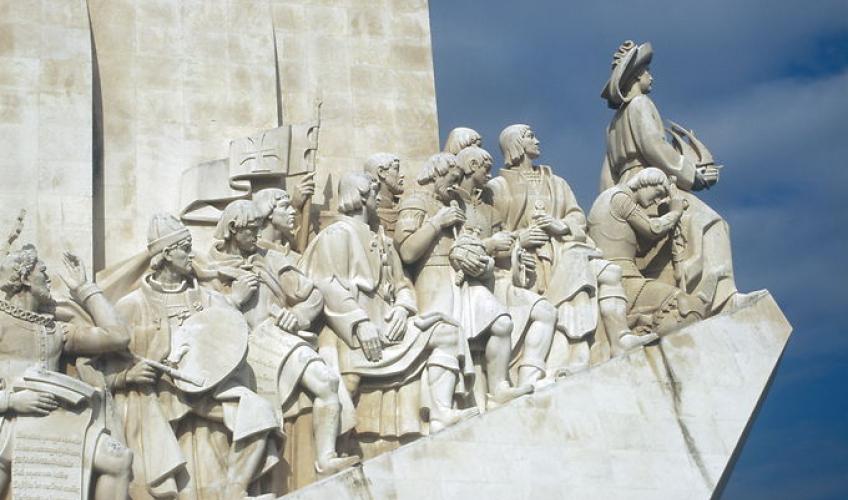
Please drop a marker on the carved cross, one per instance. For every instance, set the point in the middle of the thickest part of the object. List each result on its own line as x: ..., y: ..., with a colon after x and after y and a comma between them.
x: 259, y: 152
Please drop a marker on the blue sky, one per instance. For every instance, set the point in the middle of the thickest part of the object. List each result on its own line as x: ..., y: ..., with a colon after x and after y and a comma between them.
x: 765, y: 85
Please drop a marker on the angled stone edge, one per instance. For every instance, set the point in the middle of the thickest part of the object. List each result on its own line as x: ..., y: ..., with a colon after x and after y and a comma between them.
x: 666, y: 421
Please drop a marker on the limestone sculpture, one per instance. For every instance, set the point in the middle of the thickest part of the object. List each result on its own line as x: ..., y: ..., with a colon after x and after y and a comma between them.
x: 636, y: 139
x: 196, y: 429
x: 619, y: 219
x: 285, y: 365
x: 55, y: 441
x: 541, y: 209
x: 451, y: 271
x: 385, y: 167
x: 396, y: 362
x: 533, y: 316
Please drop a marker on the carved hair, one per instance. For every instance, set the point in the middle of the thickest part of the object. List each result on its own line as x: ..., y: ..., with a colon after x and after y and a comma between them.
x: 15, y: 268
x: 472, y: 154
x: 354, y: 189
x: 437, y: 165
x: 265, y: 201
x: 237, y: 215
x: 648, y: 177
x: 379, y: 162
x: 461, y: 138
x: 510, y: 141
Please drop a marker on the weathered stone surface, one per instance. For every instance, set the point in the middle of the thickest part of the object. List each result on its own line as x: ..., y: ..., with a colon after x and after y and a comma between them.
x: 663, y: 422
x: 46, y: 124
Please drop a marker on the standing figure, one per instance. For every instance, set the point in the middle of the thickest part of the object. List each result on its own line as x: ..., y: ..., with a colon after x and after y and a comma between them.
x: 635, y: 141
x: 383, y: 345
x: 570, y: 272
x: 208, y: 443
x: 619, y: 223
x: 282, y: 354
x: 451, y: 271
x: 53, y: 437
x: 385, y: 168
x: 532, y: 314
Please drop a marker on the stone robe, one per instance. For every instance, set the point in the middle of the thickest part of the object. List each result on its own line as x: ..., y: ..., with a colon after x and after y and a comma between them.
x: 472, y: 302
x: 38, y: 342
x: 174, y: 434
x: 636, y: 140
x: 361, y: 277
x: 565, y: 265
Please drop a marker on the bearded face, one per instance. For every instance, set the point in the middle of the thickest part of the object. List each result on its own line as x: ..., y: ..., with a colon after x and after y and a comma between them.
x: 445, y: 185
x: 246, y: 237
x: 392, y: 178
x: 39, y: 285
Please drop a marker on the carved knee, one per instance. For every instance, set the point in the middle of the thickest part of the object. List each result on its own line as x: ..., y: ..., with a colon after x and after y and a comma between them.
x: 611, y: 275
x: 446, y: 337
x: 502, y: 326
x: 326, y: 382
x: 544, y: 312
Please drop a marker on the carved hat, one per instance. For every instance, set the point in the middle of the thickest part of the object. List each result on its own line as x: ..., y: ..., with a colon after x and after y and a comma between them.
x: 164, y: 231
x: 627, y: 62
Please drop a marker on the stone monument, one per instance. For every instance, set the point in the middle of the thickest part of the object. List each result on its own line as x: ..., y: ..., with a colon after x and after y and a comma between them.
x: 297, y: 320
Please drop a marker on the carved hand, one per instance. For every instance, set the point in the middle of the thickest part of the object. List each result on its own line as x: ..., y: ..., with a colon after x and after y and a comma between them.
x: 74, y: 275
x: 369, y: 338
x: 448, y: 216
x: 31, y: 402
x: 396, y: 323
x: 550, y: 225
x: 303, y: 191
x: 499, y: 242
x: 243, y: 288
x: 532, y: 237
x: 141, y: 373
x: 528, y: 260
x: 288, y: 321
x: 677, y: 203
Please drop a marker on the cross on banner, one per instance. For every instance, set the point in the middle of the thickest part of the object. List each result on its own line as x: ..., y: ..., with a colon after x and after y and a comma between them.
x: 266, y: 152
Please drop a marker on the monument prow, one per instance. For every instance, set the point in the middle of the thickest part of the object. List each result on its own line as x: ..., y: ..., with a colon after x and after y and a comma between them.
x: 665, y: 421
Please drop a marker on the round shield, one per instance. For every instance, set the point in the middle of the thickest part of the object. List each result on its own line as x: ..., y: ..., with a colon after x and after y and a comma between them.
x: 207, y: 348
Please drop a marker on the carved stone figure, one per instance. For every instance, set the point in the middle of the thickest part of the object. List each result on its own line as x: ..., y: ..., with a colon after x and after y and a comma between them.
x: 570, y: 272
x: 619, y: 222
x: 382, y: 343
x: 452, y: 271
x: 53, y: 434
x: 282, y: 356
x: 636, y: 140
x: 278, y: 219
x: 208, y: 441
x: 385, y: 167
x: 533, y: 315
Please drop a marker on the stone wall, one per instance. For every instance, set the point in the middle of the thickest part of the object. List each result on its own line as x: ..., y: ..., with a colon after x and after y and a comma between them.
x: 160, y: 86
x: 46, y: 124
x: 662, y: 422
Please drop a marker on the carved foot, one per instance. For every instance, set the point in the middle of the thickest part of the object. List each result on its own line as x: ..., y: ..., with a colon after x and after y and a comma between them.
x: 630, y: 341
x: 505, y: 394
x: 330, y: 465
x: 447, y: 418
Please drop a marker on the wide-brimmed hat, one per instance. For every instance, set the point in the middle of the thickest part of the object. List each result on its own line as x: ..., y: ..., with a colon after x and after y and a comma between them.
x: 627, y: 62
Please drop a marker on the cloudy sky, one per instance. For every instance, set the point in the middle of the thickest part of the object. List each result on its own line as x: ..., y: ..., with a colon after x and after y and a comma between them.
x: 765, y: 85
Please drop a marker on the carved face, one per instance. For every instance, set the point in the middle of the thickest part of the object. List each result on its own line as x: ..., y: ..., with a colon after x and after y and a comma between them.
x: 445, y: 184
x: 650, y: 195
x: 179, y: 257
x: 392, y: 178
x: 39, y: 284
x: 283, y: 215
x: 645, y: 81
x: 482, y: 174
x: 245, y: 237
x: 530, y: 144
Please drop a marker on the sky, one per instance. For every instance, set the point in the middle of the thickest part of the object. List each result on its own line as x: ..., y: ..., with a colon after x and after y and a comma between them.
x: 765, y: 85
